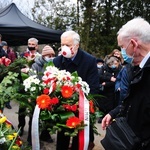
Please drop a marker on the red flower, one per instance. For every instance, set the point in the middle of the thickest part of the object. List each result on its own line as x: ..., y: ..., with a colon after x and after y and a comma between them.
x: 47, y: 74
x: 43, y: 101
x: 78, y: 86
x: 5, y: 61
x: 66, y: 91
x: 73, y: 122
x: 18, y: 142
x: 54, y: 101
x: 46, y: 91
x: 70, y: 107
x: 91, y: 105
x: 26, y: 54
x: 67, y: 106
x: 74, y: 107
x: 66, y: 78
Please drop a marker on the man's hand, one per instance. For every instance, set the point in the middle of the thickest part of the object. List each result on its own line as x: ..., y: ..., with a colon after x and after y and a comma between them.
x: 106, y: 121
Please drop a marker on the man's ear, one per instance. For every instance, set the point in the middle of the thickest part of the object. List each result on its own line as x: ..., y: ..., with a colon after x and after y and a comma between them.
x: 77, y: 45
x: 37, y: 47
x: 134, y: 44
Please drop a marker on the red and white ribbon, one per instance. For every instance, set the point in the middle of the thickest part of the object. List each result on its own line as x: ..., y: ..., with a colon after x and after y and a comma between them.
x: 84, y: 115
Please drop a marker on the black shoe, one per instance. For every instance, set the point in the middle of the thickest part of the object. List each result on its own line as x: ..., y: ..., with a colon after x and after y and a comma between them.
x: 8, y: 106
x: 91, y: 145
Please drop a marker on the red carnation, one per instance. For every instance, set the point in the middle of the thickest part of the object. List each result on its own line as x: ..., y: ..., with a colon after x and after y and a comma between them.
x: 66, y: 91
x: 73, y: 122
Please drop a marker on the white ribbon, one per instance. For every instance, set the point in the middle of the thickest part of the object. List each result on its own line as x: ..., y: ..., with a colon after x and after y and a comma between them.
x: 35, y: 129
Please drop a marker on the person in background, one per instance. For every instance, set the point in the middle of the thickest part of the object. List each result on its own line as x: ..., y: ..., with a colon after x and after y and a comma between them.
x: 134, y: 39
x: 11, y: 54
x: 123, y: 79
x: 108, y: 74
x: 72, y: 59
x: 100, y: 63
x: 30, y: 54
x: 117, y: 54
x: 48, y: 55
x: 3, y: 50
x: 32, y: 49
x: 59, y: 51
x: 122, y: 85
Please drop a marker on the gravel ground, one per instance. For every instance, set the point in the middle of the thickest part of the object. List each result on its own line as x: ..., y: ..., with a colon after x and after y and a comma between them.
x: 11, y: 114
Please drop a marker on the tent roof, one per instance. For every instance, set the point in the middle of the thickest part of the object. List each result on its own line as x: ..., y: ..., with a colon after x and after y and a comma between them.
x: 16, y: 28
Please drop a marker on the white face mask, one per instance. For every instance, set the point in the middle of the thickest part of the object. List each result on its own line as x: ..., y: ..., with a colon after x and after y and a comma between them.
x: 48, y: 59
x: 66, y: 52
x: 99, y: 66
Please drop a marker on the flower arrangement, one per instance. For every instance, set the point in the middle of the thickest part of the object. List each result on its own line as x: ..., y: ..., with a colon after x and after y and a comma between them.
x: 5, y: 61
x: 57, y: 95
x: 6, y: 66
x: 9, y: 139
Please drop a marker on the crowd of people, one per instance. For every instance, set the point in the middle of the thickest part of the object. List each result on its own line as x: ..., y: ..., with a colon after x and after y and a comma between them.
x: 121, y: 79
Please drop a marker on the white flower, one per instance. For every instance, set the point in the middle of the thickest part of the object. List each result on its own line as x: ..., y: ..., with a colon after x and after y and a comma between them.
x: 29, y: 81
x: 33, y: 89
x: 85, y: 87
x: 2, y: 139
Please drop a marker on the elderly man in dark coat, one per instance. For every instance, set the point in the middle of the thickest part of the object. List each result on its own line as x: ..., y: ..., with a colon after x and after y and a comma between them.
x: 72, y: 59
x: 134, y: 40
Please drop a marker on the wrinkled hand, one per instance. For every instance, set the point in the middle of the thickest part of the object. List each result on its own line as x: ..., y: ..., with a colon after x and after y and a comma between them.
x: 106, y: 121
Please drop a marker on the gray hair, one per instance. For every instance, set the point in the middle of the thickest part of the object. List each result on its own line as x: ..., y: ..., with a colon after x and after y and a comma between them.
x: 136, y: 28
x: 111, y: 60
x: 33, y: 39
x: 75, y: 36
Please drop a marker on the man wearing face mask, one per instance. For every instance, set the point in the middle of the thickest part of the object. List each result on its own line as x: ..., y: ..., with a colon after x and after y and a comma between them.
x: 48, y: 55
x: 30, y: 54
x: 72, y: 59
x: 134, y: 38
x: 31, y: 49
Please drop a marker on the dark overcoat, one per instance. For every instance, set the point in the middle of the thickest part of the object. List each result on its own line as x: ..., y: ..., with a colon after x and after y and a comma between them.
x: 137, y: 104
